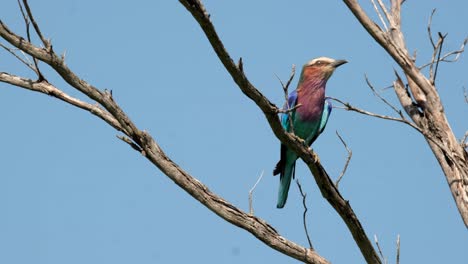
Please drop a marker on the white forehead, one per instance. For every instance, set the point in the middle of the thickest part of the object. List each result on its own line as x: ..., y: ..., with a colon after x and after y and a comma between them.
x: 324, y: 59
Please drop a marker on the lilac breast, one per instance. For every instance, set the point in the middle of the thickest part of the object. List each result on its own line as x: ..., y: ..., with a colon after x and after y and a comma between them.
x: 311, y: 96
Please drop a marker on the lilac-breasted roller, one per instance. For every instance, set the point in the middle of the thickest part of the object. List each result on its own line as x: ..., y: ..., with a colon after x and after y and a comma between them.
x: 309, y: 119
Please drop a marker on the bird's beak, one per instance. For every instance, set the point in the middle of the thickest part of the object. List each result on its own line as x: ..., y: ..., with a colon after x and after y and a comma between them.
x: 338, y: 63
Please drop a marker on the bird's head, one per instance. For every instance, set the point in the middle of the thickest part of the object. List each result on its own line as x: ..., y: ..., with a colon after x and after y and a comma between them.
x: 321, y: 68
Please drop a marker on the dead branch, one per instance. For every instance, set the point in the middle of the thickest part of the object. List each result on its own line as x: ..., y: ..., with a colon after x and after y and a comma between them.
x: 327, y: 187
x: 13, y: 53
x: 304, y: 219
x: 251, y: 211
x: 377, y: 10
x: 436, y: 58
x: 287, y: 109
x: 445, y: 58
x: 30, y: 16
x: 27, y: 20
x: 433, y: 123
x: 348, y: 159
x: 131, y: 143
x: 398, y: 250
x: 114, y: 115
x: 49, y: 89
x: 429, y: 29
x: 463, y: 141
x: 380, y: 249
x: 349, y: 107
x: 369, y: 84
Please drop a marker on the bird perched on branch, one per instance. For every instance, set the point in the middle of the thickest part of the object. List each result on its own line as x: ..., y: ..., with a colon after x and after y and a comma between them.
x: 309, y: 110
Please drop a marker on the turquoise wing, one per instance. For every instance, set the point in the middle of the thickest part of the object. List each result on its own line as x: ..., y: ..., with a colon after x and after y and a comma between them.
x: 292, y: 101
x: 327, y: 108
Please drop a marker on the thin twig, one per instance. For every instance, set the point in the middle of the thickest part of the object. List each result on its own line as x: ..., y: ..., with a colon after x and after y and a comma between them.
x: 12, y: 52
x: 386, y: 88
x: 287, y: 109
x: 463, y: 142
x: 304, y: 195
x: 349, y: 107
x: 383, y: 99
x: 444, y: 58
x: 380, y: 250
x: 384, y: 9
x: 429, y: 25
x: 51, y: 90
x: 442, y: 38
x: 291, y: 76
x: 251, y: 211
x: 436, y: 51
x: 25, y: 18
x: 27, y: 21
x: 457, y: 53
x: 130, y: 142
x: 380, y: 15
x: 398, y: 250
x: 35, y: 25
x: 348, y: 159
x: 240, y: 65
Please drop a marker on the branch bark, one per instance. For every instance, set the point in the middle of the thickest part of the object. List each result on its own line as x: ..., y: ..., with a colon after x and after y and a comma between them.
x: 112, y: 114
x: 325, y: 184
x: 109, y: 111
x: 452, y: 157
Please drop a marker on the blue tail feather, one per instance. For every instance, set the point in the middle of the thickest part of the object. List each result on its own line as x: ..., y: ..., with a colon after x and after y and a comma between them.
x: 285, y: 181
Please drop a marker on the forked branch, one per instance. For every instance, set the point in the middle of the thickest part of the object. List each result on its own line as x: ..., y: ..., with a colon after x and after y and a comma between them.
x: 327, y: 187
x: 108, y: 110
x: 432, y: 122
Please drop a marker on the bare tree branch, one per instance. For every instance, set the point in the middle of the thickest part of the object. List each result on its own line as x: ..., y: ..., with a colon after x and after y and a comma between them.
x: 445, y: 58
x: 131, y: 143
x: 326, y: 186
x: 287, y: 109
x: 429, y: 137
x: 452, y: 158
x: 380, y: 250
x: 304, y: 219
x: 251, y: 211
x: 403, y: 94
x: 383, y: 99
x: 429, y: 29
x: 46, y: 43
x: 436, y: 60
x: 348, y: 159
x: 27, y: 19
x: 377, y: 10
x: 151, y: 150
x: 12, y: 52
x: 398, y: 250
x: 463, y: 141
x: 47, y: 88
x: 349, y: 107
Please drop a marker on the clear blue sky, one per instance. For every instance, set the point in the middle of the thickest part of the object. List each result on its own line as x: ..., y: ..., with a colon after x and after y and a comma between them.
x: 71, y: 192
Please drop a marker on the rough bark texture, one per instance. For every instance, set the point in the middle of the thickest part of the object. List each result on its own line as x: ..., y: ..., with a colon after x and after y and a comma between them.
x: 326, y: 186
x: 427, y: 112
x: 109, y: 111
x: 114, y: 116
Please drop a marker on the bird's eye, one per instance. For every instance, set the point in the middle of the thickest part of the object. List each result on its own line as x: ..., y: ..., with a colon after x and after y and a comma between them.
x: 319, y: 63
